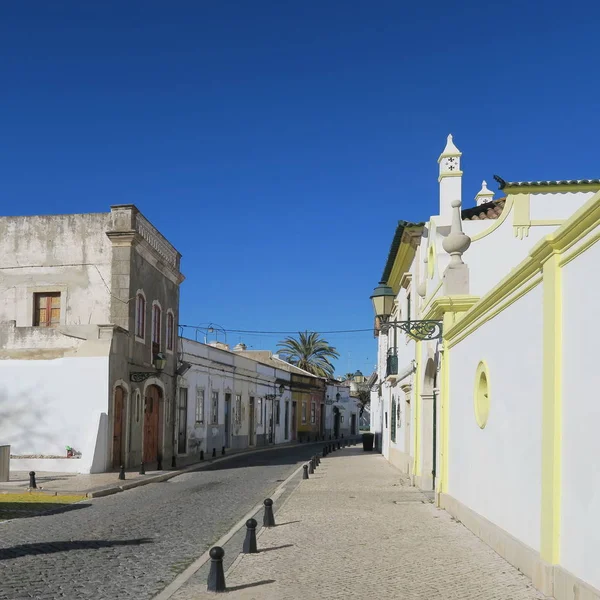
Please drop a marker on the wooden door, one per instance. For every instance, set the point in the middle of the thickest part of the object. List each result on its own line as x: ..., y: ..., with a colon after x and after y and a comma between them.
x: 118, y: 426
x: 151, y: 418
x: 294, y: 422
x: 227, y: 420
x: 182, y: 433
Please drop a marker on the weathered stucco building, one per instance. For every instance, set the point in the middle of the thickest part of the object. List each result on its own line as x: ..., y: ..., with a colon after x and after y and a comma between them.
x: 88, y: 329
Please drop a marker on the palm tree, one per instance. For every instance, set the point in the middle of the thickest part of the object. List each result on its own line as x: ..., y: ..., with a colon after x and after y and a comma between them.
x: 309, y: 352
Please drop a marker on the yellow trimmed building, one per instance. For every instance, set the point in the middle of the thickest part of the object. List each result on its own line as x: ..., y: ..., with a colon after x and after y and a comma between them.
x: 487, y: 383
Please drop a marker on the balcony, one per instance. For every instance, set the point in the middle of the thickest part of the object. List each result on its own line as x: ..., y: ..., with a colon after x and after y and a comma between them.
x: 391, y: 362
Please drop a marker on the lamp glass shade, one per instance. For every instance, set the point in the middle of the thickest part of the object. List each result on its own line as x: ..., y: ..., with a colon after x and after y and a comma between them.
x: 383, y: 300
x: 281, y: 389
x: 160, y: 362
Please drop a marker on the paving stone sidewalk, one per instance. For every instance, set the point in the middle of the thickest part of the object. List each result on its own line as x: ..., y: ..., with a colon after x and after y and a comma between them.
x: 357, y: 529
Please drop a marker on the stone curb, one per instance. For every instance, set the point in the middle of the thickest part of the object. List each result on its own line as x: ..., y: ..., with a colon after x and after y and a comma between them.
x: 190, y: 469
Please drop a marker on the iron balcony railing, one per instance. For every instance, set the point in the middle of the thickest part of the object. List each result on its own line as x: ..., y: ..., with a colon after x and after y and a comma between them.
x: 392, y: 362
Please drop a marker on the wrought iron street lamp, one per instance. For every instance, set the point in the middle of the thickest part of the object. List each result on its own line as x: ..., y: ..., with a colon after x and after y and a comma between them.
x: 159, y: 363
x: 383, y: 303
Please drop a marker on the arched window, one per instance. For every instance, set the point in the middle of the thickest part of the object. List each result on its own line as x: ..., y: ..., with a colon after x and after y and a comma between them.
x: 140, y: 316
x: 156, y: 325
x: 170, y: 330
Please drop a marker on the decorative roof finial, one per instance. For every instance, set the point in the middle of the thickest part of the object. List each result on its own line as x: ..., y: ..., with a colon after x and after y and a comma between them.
x: 450, y: 149
x: 484, y: 195
x: 456, y: 243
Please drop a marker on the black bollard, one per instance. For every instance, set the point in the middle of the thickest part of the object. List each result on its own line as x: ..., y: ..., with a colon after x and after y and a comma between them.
x: 311, y: 470
x: 269, y: 517
x: 318, y: 459
x: 142, y: 468
x: 249, y: 546
x: 201, y: 454
x: 223, y: 451
x: 214, y: 453
x: 216, y: 575
x: 324, y: 452
x: 122, y: 472
x: 173, y: 462
x: 32, y: 483
x: 159, y: 463
x: 305, y: 473
x: 313, y: 464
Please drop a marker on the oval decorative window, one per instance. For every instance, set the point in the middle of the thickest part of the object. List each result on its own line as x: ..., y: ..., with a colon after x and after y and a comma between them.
x: 482, y: 394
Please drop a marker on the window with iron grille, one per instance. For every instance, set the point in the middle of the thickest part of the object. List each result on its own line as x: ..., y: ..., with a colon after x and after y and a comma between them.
x: 199, y: 405
x: 170, y: 330
x: 238, y: 409
x: 46, y: 309
x: 277, y: 411
x: 215, y: 407
x: 393, y: 428
x: 313, y: 412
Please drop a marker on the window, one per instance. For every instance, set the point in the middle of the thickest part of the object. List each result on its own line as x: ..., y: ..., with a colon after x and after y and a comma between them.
x: 215, y: 408
x: 140, y: 316
x: 482, y: 395
x: 393, y: 430
x: 182, y: 433
x: 238, y: 409
x: 156, y: 316
x: 170, y: 328
x: 46, y: 309
x: 277, y: 411
x: 408, y: 306
x: 313, y: 412
x: 199, y: 405
x: 304, y: 411
x: 259, y: 404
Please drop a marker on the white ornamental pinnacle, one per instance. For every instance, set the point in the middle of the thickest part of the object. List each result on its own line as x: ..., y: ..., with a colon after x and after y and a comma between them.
x: 456, y: 243
x: 449, y: 159
x: 484, y: 195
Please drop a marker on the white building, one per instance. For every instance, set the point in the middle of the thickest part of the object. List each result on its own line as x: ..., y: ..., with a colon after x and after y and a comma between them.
x: 89, y: 307
x: 342, y: 410
x: 494, y: 415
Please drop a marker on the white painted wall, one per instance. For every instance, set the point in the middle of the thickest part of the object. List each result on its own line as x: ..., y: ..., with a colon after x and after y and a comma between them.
x: 580, y: 508
x: 47, y: 405
x: 496, y: 471
x: 556, y: 206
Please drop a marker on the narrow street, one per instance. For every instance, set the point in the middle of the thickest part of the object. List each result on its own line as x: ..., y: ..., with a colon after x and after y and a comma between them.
x: 132, y: 544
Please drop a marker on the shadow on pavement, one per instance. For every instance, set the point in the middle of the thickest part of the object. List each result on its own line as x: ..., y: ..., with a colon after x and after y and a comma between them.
x: 235, y: 588
x: 276, y: 548
x: 51, y: 547
x: 22, y: 510
x: 287, y: 523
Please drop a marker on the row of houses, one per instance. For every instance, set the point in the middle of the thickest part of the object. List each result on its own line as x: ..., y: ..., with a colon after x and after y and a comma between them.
x: 94, y: 375
x: 486, y: 386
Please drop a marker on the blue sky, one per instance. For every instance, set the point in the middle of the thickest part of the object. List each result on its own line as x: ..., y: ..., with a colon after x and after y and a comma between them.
x: 277, y: 143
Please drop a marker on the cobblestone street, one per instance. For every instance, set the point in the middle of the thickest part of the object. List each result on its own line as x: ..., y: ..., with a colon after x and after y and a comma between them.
x: 132, y: 544
x: 357, y: 530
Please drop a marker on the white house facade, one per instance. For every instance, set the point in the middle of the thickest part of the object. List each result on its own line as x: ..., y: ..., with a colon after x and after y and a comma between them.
x: 484, y: 344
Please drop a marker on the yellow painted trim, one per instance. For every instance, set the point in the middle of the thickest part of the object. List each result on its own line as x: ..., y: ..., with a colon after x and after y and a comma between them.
x: 481, y: 398
x: 431, y: 260
x: 404, y: 257
x: 551, y: 412
x: 586, y: 245
x: 450, y: 304
x: 496, y: 222
x: 445, y: 414
x: 449, y: 155
x: 451, y: 174
x: 547, y: 222
x: 550, y: 189
x: 493, y: 312
x: 431, y: 297
x: 417, y: 420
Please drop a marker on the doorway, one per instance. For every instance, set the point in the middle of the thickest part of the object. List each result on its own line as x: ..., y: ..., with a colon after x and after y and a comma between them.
x: 336, y: 422
x: 353, y: 424
x: 227, y: 419
x: 293, y: 422
x: 251, y: 438
x: 182, y: 432
x: 152, y: 409
x: 118, y: 427
x: 286, y: 424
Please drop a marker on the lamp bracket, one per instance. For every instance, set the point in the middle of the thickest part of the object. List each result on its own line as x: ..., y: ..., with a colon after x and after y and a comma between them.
x: 138, y: 377
x: 419, y: 330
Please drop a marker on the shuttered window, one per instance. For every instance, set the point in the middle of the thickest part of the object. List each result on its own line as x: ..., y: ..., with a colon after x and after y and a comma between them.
x: 46, y: 309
